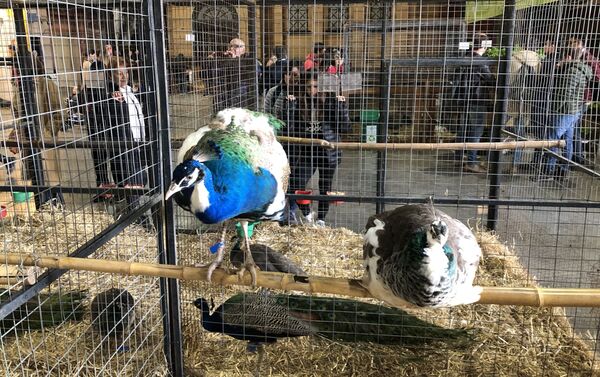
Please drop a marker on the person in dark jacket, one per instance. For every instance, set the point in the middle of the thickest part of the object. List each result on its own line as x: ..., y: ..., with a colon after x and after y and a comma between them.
x: 315, y: 115
x: 275, y: 67
x: 230, y: 77
x: 477, y: 100
x: 571, y: 80
x: 276, y: 96
x: 126, y: 127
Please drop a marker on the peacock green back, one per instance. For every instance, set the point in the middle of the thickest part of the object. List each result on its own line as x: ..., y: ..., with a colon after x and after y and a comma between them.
x: 355, y: 321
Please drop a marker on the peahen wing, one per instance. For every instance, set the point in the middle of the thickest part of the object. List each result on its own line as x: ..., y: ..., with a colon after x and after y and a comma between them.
x: 266, y: 259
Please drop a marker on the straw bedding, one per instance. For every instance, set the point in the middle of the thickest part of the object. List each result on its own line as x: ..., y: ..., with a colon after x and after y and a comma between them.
x: 507, y: 341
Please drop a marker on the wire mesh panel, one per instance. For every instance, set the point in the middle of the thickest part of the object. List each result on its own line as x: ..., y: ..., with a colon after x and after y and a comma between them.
x: 80, y: 178
x: 397, y: 83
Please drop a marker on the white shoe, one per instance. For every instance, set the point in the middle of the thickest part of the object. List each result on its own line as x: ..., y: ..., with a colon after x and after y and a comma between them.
x: 310, y: 217
x: 320, y: 223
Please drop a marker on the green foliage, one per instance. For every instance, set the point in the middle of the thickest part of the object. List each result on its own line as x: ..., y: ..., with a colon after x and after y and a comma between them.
x: 500, y: 52
x: 495, y: 52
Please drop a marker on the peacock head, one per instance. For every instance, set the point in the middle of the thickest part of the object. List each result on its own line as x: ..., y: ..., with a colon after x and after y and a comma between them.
x: 185, y: 175
x: 437, y: 233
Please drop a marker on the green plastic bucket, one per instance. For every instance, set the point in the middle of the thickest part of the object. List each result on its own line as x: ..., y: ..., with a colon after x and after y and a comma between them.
x: 21, y: 197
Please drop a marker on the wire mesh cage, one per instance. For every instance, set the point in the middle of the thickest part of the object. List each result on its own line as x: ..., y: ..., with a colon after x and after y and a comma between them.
x: 488, y: 107
x: 80, y: 177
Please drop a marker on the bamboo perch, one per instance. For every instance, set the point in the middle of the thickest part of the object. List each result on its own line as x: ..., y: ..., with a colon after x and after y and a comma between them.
x: 529, y: 144
x: 575, y: 297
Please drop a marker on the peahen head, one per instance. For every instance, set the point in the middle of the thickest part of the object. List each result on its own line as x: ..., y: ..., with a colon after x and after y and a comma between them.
x: 185, y: 175
x: 437, y: 233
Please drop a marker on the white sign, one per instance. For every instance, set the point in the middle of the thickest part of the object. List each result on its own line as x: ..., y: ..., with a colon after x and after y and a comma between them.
x: 371, y: 134
x: 190, y: 37
x: 463, y: 45
x: 486, y: 43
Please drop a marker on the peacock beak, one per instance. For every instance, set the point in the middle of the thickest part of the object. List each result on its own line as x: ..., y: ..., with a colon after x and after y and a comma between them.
x: 173, y: 189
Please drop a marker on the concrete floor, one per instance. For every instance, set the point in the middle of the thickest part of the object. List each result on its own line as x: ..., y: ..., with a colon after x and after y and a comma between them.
x: 560, y: 247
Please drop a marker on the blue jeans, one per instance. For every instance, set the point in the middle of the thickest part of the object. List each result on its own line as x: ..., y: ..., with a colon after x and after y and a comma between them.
x: 578, y: 150
x: 470, y: 131
x: 564, y: 127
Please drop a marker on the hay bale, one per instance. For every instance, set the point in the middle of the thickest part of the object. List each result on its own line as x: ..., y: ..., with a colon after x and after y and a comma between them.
x: 508, y: 341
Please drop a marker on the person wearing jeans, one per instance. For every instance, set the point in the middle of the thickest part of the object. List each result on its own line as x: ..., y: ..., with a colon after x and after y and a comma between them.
x: 571, y: 80
x: 564, y: 127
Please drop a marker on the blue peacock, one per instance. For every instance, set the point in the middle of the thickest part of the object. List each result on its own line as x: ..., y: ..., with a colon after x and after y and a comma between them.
x: 232, y: 168
x: 418, y: 256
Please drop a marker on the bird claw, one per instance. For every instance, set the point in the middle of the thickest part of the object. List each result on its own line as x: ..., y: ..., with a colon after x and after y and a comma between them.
x: 211, y: 269
x: 250, y: 267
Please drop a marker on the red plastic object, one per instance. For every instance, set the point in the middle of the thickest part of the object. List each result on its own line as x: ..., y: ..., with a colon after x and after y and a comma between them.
x: 303, y: 192
x: 3, y: 212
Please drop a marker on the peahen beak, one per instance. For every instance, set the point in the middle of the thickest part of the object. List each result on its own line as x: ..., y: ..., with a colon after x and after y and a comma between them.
x: 173, y: 189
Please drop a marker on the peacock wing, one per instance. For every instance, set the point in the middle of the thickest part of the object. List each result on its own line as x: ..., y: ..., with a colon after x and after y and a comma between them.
x: 189, y: 143
x: 263, y: 312
x: 231, y: 143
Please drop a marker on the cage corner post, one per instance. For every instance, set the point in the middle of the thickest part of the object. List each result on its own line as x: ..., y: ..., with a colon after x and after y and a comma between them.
x: 170, y: 302
x: 29, y: 103
x: 501, y: 108
x: 384, y: 106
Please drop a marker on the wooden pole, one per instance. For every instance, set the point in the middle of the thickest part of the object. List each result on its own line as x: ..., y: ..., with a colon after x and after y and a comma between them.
x: 528, y: 144
x: 538, y: 297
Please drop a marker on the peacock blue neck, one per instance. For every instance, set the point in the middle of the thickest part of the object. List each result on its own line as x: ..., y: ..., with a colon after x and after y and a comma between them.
x: 233, y: 189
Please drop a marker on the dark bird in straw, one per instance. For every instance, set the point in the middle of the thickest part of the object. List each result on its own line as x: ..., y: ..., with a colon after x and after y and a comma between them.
x: 418, y: 256
x: 113, y: 313
x: 266, y: 259
x: 45, y: 310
